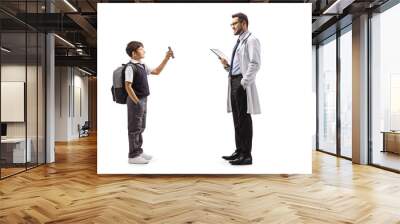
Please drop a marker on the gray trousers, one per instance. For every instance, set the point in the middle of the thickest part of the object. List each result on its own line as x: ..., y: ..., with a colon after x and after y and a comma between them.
x: 136, y: 125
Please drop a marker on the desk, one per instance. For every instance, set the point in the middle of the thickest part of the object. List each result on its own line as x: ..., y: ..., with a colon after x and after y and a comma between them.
x: 13, y: 150
x: 391, y: 141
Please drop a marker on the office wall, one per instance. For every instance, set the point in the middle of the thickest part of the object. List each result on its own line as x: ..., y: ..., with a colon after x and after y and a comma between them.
x: 17, y: 73
x: 92, y: 87
x: 61, y: 103
x: 314, y: 91
x: 80, y: 104
x: 71, y: 102
x: 12, y: 98
x: 33, y: 126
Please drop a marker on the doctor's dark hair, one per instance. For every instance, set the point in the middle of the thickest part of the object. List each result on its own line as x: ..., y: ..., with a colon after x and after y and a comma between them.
x: 242, y: 17
x: 133, y: 46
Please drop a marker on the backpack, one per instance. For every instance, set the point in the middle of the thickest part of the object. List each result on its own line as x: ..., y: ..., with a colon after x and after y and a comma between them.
x: 119, y: 93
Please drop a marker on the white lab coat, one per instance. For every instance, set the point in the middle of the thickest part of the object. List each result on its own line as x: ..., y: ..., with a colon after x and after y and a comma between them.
x: 248, y: 53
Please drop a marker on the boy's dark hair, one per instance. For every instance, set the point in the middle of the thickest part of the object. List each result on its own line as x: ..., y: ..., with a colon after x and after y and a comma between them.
x: 242, y: 17
x: 133, y: 46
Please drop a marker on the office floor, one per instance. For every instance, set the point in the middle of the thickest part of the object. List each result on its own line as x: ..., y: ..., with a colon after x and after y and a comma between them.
x: 12, y: 169
x: 70, y: 191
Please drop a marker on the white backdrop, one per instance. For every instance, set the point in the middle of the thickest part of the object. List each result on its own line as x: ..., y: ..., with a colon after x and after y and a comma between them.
x: 188, y: 127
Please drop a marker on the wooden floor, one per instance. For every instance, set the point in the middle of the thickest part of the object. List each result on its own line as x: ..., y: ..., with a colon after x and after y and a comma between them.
x: 70, y: 191
x: 5, y: 172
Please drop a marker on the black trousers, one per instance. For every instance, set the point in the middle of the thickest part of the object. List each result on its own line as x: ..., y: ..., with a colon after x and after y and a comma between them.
x: 241, y: 119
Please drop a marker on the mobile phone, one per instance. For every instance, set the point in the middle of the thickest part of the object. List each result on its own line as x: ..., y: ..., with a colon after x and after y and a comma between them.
x: 169, y: 48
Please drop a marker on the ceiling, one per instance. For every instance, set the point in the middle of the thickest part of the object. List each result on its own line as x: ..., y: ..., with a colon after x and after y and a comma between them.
x: 76, y: 22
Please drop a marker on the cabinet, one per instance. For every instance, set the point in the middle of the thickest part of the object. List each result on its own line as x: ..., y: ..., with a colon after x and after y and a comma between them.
x: 13, y: 150
x: 391, y: 141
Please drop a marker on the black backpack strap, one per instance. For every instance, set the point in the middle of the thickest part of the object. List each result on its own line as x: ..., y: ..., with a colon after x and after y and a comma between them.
x: 132, y: 65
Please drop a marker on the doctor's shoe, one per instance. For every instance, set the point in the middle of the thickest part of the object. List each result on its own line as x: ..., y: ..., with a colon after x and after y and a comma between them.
x: 242, y: 160
x: 234, y: 156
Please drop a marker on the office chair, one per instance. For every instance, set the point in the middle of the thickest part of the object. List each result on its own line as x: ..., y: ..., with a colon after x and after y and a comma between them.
x: 84, y: 130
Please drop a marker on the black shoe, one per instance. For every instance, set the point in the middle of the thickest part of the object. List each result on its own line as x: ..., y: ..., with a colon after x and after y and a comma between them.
x: 234, y: 156
x: 242, y: 160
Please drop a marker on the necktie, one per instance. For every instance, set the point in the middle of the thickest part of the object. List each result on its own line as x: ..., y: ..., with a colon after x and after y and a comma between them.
x: 233, y: 55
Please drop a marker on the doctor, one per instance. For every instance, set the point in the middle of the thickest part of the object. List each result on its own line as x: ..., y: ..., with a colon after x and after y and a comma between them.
x: 242, y: 92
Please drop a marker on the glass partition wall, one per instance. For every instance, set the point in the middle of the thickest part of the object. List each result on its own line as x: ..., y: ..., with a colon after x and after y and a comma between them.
x: 385, y: 89
x: 334, y: 80
x: 22, y: 79
x: 346, y: 72
x: 327, y: 95
x: 334, y: 75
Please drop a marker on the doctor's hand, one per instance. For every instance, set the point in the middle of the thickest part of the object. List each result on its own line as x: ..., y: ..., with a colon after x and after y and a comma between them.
x: 224, y: 62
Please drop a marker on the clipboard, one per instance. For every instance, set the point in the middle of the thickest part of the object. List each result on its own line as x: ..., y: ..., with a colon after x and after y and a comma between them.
x: 219, y: 54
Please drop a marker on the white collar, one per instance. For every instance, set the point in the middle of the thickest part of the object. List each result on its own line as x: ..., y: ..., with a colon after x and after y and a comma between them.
x: 243, y: 35
x: 135, y: 61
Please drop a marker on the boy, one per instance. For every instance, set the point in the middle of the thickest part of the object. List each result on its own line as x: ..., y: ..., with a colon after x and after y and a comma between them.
x: 137, y: 87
